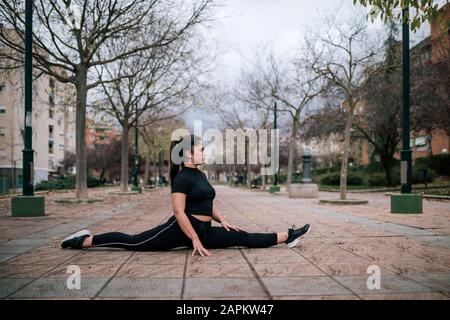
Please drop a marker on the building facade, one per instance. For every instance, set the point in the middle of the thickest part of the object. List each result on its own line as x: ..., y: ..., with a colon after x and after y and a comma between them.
x: 53, y: 127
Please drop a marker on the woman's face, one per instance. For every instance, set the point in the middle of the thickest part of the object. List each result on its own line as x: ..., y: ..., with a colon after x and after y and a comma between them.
x: 198, y: 155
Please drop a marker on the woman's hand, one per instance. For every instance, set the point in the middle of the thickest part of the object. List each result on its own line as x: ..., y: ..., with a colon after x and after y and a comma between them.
x: 228, y: 226
x: 198, y: 246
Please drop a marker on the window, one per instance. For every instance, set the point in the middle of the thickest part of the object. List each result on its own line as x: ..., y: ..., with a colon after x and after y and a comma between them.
x: 2, y: 131
x: 2, y: 109
x: 50, y: 113
x: 2, y: 153
x: 2, y: 87
x: 51, y: 164
x: 61, y: 147
x: 50, y: 132
x: 50, y: 147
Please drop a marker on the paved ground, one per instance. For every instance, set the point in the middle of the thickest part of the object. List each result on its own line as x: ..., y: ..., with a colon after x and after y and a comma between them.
x: 412, y: 251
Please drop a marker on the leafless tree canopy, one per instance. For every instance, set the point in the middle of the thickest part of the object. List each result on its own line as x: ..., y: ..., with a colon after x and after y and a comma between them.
x: 72, y: 37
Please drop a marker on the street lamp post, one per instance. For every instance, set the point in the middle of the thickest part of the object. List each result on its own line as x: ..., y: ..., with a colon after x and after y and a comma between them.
x: 406, y: 202
x: 136, y: 158
x: 245, y: 160
x: 275, y: 187
x: 406, y: 152
x: 28, y: 152
x: 28, y: 204
x: 275, y: 178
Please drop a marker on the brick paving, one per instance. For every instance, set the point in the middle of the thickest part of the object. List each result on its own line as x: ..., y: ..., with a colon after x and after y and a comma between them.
x: 331, y: 262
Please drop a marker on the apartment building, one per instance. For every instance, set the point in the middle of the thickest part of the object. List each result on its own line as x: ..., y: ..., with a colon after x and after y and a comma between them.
x: 53, y: 126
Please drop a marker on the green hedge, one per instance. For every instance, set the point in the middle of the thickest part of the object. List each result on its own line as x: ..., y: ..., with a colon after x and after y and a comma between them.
x: 64, y: 183
x: 373, y: 174
x: 377, y: 180
x: 417, y: 175
x: 333, y: 179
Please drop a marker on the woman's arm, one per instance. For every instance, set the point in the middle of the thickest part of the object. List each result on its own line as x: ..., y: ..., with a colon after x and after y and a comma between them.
x: 178, y: 205
x: 221, y: 219
x: 216, y: 216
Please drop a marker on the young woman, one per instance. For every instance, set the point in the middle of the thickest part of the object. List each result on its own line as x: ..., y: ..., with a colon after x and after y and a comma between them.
x: 190, y: 226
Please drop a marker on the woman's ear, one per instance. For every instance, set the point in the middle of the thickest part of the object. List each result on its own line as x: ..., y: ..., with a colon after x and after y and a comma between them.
x: 189, y: 155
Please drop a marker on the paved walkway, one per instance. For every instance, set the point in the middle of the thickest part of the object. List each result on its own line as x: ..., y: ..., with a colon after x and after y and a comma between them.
x: 412, y: 252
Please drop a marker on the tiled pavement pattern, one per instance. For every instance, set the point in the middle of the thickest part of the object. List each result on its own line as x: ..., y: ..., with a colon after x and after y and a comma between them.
x: 412, y: 251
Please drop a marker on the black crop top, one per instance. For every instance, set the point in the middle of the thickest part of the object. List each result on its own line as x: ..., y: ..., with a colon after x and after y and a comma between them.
x: 199, y: 192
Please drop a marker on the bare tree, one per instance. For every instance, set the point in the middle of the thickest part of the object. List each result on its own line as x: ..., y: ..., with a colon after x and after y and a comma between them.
x: 69, y: 34
x: 237, y: 113
x: 347, y: 59
x: 293, y: 84
x: 147, y: 83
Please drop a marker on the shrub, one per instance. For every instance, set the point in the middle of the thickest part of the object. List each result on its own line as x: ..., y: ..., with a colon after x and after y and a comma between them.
x: 64, y: 183
x: 377, y: 179
x: 417, y: 175
x: 93, y: 182
x: 322, y: 171
x: 333, y: 179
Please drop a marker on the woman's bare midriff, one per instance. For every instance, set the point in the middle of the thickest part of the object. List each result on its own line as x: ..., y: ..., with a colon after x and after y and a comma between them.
x: 201, y: 217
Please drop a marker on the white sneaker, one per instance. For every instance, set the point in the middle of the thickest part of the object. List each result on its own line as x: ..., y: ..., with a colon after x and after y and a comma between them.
x: 72, y: 240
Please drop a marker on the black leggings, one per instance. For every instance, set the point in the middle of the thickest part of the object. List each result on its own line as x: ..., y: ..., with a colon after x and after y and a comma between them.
x: 169, y: 236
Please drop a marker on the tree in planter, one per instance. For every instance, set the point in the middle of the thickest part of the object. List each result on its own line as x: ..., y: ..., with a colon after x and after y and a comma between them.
x: 68, y: 35
x: 343, y: 55
x: 293, y: 85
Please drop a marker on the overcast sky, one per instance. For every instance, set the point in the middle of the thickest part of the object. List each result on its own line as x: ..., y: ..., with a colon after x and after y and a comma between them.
x: 243, y: 25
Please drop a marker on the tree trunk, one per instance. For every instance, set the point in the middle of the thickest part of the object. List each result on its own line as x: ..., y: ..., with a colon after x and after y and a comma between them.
x: 66, y: 135
x: 80, y: 125
x: 233, y: 173
x: 263, y: 182
x: 102, y: 175
x: 291, y: 153
x: 124, y: 158
x: 146, y: 171
x: 154, y: 168
x: 387, y: 170
x: 344, y: 166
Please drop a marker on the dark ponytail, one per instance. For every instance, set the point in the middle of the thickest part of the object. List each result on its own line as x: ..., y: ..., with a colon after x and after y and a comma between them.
x: 188, y: 141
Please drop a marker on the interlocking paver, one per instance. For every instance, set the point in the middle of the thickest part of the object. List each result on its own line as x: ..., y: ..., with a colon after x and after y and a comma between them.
x: 411, y: 251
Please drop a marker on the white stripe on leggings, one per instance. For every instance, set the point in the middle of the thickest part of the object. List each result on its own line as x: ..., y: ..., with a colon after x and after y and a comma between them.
x: 135, y: 244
